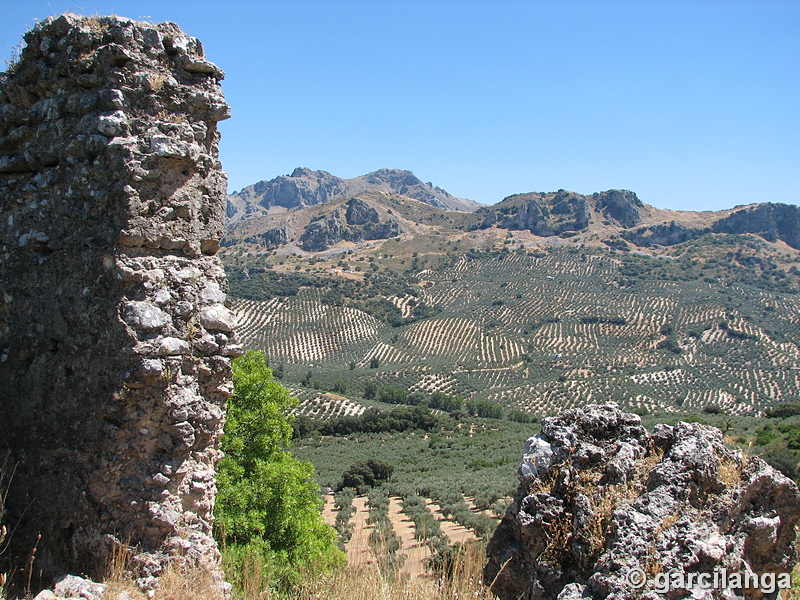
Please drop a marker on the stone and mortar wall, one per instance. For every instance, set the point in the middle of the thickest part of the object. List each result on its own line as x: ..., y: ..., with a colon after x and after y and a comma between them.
x: 115, y: 344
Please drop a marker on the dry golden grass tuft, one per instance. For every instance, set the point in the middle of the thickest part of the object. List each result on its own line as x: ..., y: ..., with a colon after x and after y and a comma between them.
x: 367, y: 583
x: 348, y: 583
x: 187, y: 584
x: 3, y: 530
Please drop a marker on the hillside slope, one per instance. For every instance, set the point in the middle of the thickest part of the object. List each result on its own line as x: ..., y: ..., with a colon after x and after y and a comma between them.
x: 543, y: 301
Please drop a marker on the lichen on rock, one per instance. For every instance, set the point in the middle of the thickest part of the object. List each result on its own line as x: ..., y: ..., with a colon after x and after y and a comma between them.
x: 600, y: 497
x: 115, y: 346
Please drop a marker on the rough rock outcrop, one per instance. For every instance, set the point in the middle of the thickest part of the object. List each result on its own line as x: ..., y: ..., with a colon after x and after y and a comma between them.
x: 621, y: 205
x: 356, y: 223
x: 601, y: 502
x: 305, y: 187
x: 531, y: 216
x: 664, y: 234
x: 546, y: 215
x: 270, y: 239
x: 770, y: 221
x: 115, y: 345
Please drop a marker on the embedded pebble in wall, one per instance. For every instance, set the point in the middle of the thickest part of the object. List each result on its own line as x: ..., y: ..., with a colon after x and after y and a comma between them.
x: 217, y: 318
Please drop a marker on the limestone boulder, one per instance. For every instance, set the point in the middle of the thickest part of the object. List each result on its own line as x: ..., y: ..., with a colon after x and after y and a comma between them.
x: 605, y: 509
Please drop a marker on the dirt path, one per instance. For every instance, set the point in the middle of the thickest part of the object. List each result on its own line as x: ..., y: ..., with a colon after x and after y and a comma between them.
x: 358, y: 552
x: 455, y: 532
x: 415, y: 552
x: 471, y: 503
x: 328, y: 514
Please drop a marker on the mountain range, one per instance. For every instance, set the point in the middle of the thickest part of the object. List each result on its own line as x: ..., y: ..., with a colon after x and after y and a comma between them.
x: 314, y: 211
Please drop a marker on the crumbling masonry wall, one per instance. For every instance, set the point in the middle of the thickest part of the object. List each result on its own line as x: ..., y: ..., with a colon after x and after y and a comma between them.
x: 115, y: 344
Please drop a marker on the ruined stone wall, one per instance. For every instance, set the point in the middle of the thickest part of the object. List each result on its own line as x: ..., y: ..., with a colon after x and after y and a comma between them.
x: 115, y: 345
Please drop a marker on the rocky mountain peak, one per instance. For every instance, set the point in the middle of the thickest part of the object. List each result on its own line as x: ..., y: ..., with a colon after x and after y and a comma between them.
x: 621, y: 205
x: 305, y: 187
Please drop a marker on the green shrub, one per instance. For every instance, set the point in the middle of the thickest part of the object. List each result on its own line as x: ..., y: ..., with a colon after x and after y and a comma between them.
x: 519, y: 416
x: 267, y: 508
x: 784, y: 461
x: 765, y: 435
x: 370, y: 389
x: 484, y: 408
x: 366, y: 473
x: 784, y: 409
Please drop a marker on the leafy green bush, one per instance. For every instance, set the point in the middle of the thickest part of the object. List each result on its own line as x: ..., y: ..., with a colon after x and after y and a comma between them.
x: 267, y: 509
x: 373, y: 420
x: 484, y: 408
x: 370, y: 389
x: 393, y: 395
x: 366, y: 473
x: 784, y: 409
x: 445, y: 402
x: 519, y: 416
x: 784, y: 461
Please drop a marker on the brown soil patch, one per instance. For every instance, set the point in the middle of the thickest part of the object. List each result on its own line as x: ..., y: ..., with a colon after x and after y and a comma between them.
x: 455, y: 532
x: 328, y: 513
x: 358, y: 552
x: 415, y: 552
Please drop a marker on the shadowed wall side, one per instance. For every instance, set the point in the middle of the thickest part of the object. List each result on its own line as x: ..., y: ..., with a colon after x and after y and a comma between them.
x: 115, y: 344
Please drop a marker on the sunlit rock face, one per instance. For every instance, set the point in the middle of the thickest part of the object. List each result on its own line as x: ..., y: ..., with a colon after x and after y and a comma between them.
x: 605, y: 509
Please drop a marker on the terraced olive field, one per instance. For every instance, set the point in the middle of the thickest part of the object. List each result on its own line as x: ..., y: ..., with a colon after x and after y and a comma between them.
x: 539, y: 331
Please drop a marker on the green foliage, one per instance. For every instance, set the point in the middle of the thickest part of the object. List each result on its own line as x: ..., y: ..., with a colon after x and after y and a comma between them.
x: 366, y: 473
x: 343, y: 503
x: 791, y: 433
x: 268, y: 504
x: 783, y: 410
x: 423, y: 463
x: 520, y: 416
x: 402, y: 418
x: 370, y: 389
x: 263, y: 285
x: 393, y: 395
x: 712, y: 258
x: 784, y: 461
x: 445, y: 402
x: 382, y: 539
x: 485, y: 409
x: 670, y: 344
x: 765, y: 435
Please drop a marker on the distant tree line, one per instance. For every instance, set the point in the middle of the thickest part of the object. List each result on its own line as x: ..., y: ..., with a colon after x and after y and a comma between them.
x: 453, y: 404
x: 402, y: 418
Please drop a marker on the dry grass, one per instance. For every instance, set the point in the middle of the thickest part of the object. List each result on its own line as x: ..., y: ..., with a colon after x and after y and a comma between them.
x: 367, y: 583
x: 349, y: 583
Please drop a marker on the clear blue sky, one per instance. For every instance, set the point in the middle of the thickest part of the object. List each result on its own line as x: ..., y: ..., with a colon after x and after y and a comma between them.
x: 693, y: 105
